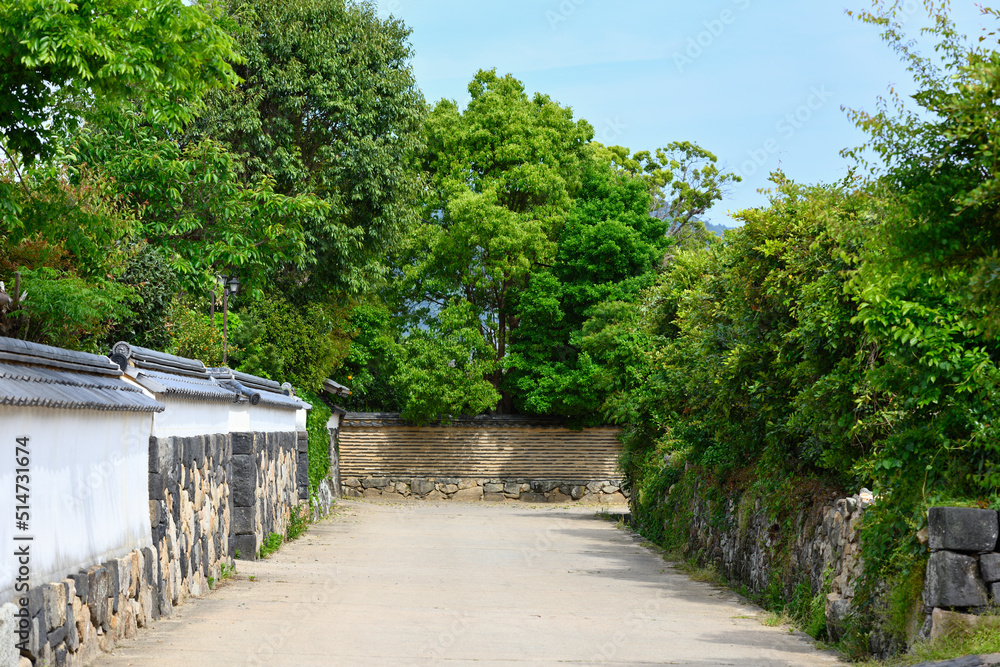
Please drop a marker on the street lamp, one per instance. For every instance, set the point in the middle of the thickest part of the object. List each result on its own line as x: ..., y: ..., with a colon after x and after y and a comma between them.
x: 228, y: 285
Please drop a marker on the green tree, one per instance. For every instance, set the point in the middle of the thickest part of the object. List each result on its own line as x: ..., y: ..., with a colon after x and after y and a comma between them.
x: 197, y: 207
x: 442, y: 368
x: 608, y: 251
x: 501, y: 176
x: 56, y: 56
x: 327, y: 106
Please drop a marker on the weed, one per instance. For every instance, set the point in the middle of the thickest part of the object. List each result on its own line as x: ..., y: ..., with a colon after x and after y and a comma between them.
x: 271, y: 544
x: 298, y: 523
x: 211, y: 583
x: 984, y: 638
x: 252, y: 578
x: 226, y: 570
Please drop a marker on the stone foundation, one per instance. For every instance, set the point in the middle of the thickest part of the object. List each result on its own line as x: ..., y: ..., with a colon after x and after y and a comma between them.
x: 73, y: 621
x: 490, y: 490
x: 209, y: 496
x: 963, y: 571
x: 265, y: 489
x: 742, y: 542
x: 190, y: 512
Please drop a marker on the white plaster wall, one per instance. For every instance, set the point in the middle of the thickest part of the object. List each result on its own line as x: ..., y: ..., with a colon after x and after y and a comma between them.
x: 300, y: 419
x: 266, y: 419
x: 186, y: 417
x: 334, y: 421
x: 89, y: 489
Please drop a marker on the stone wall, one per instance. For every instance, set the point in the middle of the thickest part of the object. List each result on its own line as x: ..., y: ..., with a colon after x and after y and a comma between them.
x: 492, y: 490
x: 963, y: 571
x: 73, y: 621
x: 190, y: 510
x: 746, y: 546
x: 209, y: 496
x: 265, y: 488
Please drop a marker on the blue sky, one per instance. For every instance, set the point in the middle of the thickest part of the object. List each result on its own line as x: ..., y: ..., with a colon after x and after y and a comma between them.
x: 760, y: 84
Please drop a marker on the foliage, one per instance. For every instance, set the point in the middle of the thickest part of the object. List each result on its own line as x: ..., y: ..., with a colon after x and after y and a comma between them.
x: 196, y: 335
x: 327, y: 106
x: 286, y: 343
x: 695, y: 184
x: 155, y: 286
x: 319, y: 439
x: 64, y: 310
x: 501, y: 175
x: 371, y: 361
x: 442, y: 368
x: 271, y: 544
x: 197, y: 208
x: 164, y: 53
x: 608, y: 251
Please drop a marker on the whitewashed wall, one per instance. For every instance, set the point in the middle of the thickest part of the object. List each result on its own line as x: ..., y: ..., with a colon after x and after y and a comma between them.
x: 186, y: 417
x: 246, y: 418
x: 89, y: 489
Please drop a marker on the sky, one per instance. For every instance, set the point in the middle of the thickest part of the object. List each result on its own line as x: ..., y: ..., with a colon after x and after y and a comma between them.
x: 760, y: 84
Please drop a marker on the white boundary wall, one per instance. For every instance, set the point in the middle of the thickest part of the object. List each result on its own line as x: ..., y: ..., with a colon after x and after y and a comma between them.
x: 89, y: 497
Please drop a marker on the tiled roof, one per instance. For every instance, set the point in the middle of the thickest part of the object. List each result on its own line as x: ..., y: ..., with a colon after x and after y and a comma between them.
x: 147, y: 359
x: 33, y: 375
x: 259, y: 390
x: 185, y: 386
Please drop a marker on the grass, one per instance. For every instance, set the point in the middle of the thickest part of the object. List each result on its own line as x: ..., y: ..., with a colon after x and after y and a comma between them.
x: 271, y: 544
x: 983, y: 639
x: 706, y: 574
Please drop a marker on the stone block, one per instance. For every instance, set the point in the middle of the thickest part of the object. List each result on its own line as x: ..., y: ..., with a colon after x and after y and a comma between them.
x: 448, y: 488
x: 557, y: 496
x: 114, y: 581
x: 436, y: 495
x: 421, y: 487
x: 468, y: 484
x: 244, y: 520
x: 989, y: 567
x: 372, y: 493
x: 544, y: 486
x: 402, y: 488
x: 577, y: 492
x: 55, y: 605
x: 81, y: 578
x: 532, y: 497
x: 374, y: 482
x: 449, y: 480
x: 494, y: 497
x: 243, y: 547
x: 352, y: 482
x: 38, y: 641
x: 613, y: 499
x: 58, y: 635
x: 243, y: 484
x: 243, y: 443
x: 949, y: 623
x: 72, y: 634
x: 953, y: 581
x: 512, y: 489
x: 156, y: 486
x: 838, y: 610
x: 964, y: 529
x: 473, y: 494
x: 595, y: 487
x: 493, y: 488
x: 150, y: 566
x: 8, y: 625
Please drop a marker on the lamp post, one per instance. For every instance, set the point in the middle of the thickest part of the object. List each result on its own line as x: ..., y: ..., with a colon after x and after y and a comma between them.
x: 228, y: 285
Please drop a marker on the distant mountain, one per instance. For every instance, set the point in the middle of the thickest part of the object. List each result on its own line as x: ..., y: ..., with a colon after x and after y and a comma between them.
x: 718, y: 230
